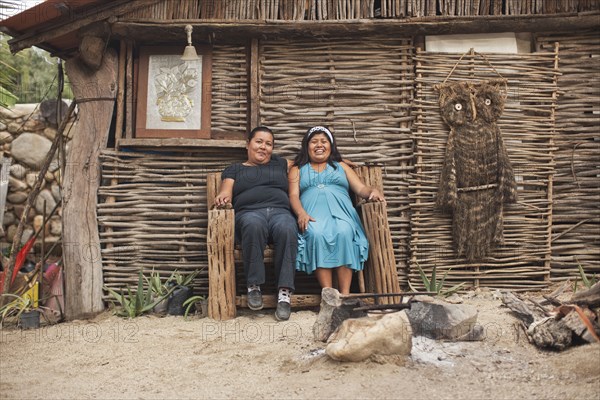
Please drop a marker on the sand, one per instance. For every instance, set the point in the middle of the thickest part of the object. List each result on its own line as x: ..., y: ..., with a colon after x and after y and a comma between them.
x: 254, y: 356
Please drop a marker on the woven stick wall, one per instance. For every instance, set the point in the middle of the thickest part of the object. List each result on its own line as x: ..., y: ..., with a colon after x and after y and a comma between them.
x: 576, y: 211
x: 352, y: 9
x: 527, y: 125
x: 153, y: 215
x: 362, y: 90
x: 229, y: 107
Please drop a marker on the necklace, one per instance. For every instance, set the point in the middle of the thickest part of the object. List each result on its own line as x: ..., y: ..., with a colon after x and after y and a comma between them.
x: 318, y: 173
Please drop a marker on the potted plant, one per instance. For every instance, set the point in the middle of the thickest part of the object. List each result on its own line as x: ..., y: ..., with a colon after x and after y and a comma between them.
x: 182, y: 290
x: 160, y: 290
x: 22, y: 309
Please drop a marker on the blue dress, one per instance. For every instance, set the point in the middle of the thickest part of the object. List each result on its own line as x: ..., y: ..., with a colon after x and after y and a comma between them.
x: 337, y: 236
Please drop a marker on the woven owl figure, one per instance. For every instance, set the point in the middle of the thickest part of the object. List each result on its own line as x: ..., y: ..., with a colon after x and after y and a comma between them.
x: 477, y: 177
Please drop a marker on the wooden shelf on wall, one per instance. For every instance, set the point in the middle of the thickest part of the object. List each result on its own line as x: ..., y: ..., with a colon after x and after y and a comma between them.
x: 180, y: 142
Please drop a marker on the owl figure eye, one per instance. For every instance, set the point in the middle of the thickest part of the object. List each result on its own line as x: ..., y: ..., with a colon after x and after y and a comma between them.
x: 458, y: 106
x: 487, y: 102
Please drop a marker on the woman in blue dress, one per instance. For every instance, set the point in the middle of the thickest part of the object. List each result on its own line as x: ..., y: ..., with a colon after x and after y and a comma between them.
x: 331, y: 235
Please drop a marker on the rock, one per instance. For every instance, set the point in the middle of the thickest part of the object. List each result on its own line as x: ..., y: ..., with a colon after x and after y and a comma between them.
x: 454, y: 299
x: 18, y: 171
x: 17, y: 197
x: 57, y: 176
x: 50, y: 133
x: 38, y: 220
x: 14, y: 127
x: 361, y: 338
x: 45, y: 195
x: 34, y: 125
x: 30, y: 178
x: 5, y: 137
x: 55, y: 226
x: 15, y: 184
x: 550, y: 334
x: 440, y: 320
x: 9, y: 218
x: 49, y: 177
x: 2, y: 126
x: 55, y: 189
x: 333, y: 311
x: 23, y: 110
x: 48, y: 110
x: 31, y: 149
x: 7, y: 114
x: 19, y: 208
x: 27, y: 232
x: 10, y: 232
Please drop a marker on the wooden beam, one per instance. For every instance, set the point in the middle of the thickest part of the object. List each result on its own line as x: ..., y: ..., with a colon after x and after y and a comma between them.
x: 180, y: 142
x: 253, y: 91
x: 73, y: 22
x: 147, y: 31
x: 95, y: 93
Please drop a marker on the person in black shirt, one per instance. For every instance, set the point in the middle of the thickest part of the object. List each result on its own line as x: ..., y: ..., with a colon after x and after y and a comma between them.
x: 258, y: 190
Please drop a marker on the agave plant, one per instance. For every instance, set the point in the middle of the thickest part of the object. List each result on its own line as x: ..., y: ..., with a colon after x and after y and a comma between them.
x: 134, y: 304
x: 432, y: 284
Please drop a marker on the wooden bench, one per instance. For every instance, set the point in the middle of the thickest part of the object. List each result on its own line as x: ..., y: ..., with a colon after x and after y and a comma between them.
x: 379, y: 276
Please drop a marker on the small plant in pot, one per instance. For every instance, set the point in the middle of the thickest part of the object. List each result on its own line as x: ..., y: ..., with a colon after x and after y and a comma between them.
x: 21, y: 309
x: 182, y: 290
x: 160, y: 290
x: 199, y: 302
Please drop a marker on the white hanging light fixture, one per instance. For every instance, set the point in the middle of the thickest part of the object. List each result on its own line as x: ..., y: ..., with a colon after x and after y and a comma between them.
x: 189, y: 54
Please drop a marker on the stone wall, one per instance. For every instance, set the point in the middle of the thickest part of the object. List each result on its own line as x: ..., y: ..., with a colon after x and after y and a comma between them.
x: 26, y: 134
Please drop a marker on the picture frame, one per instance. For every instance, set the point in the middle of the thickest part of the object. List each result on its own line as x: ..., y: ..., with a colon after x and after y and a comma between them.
x: 173, y: 96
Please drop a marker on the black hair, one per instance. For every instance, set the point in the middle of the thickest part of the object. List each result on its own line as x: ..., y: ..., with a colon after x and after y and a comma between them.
x: 260, y: 129
x: 302, y: 157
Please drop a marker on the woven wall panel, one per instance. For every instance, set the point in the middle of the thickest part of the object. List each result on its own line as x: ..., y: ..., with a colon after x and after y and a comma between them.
x: 229, y: 90
x: 352, y: 9
x: 527, y: 127
x: 152, y: 213
x: 576, y: 213
x: 360, y: 89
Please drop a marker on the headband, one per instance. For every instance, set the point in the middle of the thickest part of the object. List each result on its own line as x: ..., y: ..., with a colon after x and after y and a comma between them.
x: 320, y: 129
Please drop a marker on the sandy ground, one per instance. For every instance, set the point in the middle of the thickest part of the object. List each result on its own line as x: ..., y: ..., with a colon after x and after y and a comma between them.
x: 254, y: 356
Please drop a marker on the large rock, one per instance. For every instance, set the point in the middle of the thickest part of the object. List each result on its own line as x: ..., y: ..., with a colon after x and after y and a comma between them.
x: 333, y: 311
x: 361, y: 338
x: 31, y: 149
x: 45, y: 195
x: 440, y: 320
x: 23, y: 110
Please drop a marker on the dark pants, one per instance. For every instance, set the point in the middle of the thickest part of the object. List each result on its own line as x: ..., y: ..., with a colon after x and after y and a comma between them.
x: 254, y: 229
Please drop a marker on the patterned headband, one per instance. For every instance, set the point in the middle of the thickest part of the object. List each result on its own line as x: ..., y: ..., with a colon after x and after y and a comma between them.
x: 320, y: 129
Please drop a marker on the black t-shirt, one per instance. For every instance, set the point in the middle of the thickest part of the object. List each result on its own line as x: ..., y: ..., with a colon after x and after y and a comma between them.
x: 259, y: 186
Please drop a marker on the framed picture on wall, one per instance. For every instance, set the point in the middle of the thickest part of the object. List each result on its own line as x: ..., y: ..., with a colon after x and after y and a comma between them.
x: 174, y: 96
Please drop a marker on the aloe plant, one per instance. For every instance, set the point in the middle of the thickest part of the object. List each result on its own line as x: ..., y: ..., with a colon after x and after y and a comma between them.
x: 191, y: 302
x: 135, y: 304
x: 587, y: 282
x: 432, y: 285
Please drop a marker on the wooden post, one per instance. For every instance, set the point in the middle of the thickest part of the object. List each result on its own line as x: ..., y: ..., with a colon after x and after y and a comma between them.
x: 381, y: 274
x: 221, y: 266
x: 95, y: 93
